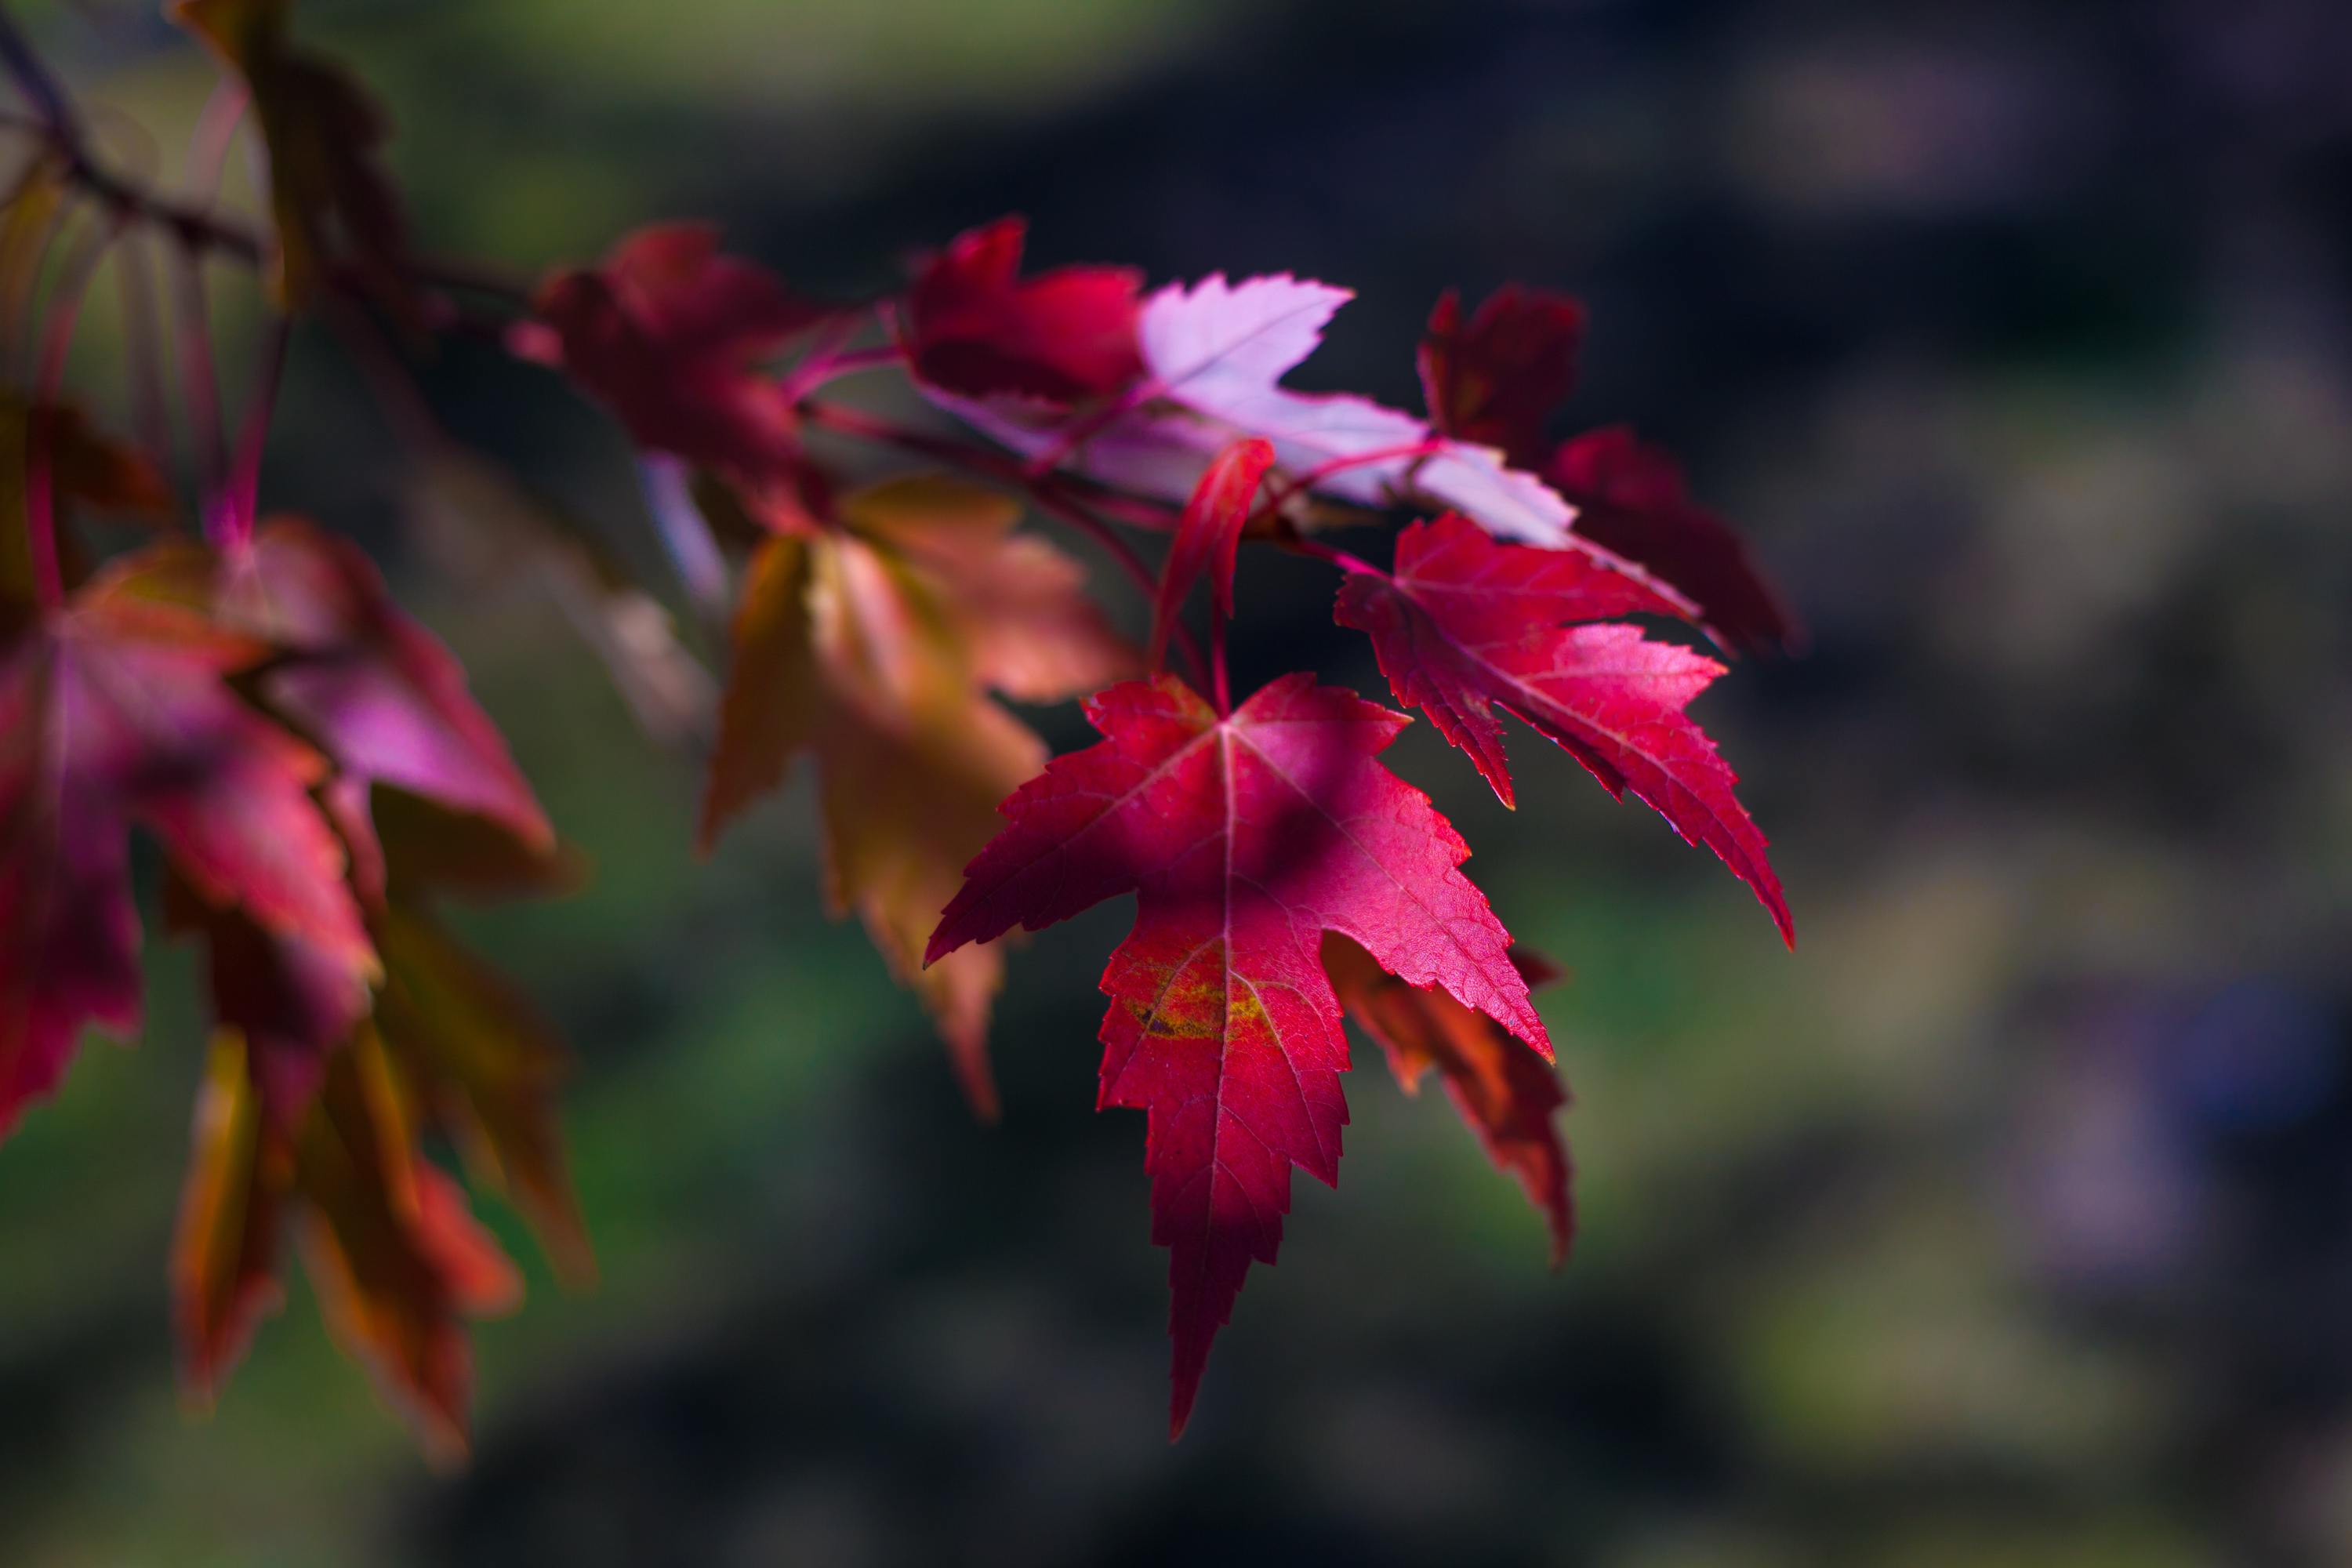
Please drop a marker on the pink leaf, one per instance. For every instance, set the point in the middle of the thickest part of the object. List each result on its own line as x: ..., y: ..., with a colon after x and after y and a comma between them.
x: 111, y: 712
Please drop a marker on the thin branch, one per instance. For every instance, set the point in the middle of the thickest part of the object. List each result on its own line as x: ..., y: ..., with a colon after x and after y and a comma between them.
x: 40, y: 468
x: 199, y: 387
x: 230, y: 517
x: 194, y: 224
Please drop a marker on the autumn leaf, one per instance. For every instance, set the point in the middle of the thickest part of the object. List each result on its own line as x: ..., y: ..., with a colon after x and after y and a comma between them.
x: 873, y: 647
x: 1469, y: 625
x: 394, y: 1256
x: 377, y: 693
x: 393, y: 1253
x: 114, y: 710
x: 1631, y: 499
x: 1245, y: 839
x: 1496, y: 379
x: 490, y: 1067
x: 976, y: 328
x: 227, y: 1246
x: 669, y: 334
x: 1209, y: 537
x: 332, y: 206
x: 1507, y: 1093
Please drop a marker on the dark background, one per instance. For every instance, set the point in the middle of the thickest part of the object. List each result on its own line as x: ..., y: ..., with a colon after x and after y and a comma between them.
x: 2008, y: 1221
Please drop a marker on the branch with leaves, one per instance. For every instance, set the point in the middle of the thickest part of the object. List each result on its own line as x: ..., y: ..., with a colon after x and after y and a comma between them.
x: 317, y: 777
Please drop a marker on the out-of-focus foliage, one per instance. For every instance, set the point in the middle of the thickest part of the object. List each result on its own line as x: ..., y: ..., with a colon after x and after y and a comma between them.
x: 2005, y: 1223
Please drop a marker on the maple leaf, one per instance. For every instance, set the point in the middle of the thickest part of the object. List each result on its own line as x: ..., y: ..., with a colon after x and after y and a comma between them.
x: 377, y: 691
x: 1497, y: 379
x: 668, y: 334
x: 1245, y: 839
x: 978, y: 330
x: 490, y: 1067
x: 330, y: 202
x: 873, y: 647
x: 227, y: 1242
x: 393, y: 1253
x: 1631, y: 498
x: 113, y: 709
x: 1209, y: 537
x: 1506, y: 1094
x: 1468, y: 625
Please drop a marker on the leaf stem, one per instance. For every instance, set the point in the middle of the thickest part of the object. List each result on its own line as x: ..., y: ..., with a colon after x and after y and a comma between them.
x: 1303, y: 545
x: 1427, y: 447
x: 40, y: 470
x: 199, y: 386
x: 229, y: 517
x: 194, y: 224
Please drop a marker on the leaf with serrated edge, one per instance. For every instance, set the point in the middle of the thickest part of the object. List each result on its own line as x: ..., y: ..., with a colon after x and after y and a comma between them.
x: 1469, y: 625
x: 1245, y: 839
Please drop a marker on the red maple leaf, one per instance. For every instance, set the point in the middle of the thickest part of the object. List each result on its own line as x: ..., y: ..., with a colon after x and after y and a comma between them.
x: 1507, y: 1093
x: 1208, y: 536
x: 1630, y: 499
x: 976, y: 328
x: 1245, y: 839
x: 1495, y: 380
x: 113, y: 709
x: 668, y: 334
x: 1468, y: 625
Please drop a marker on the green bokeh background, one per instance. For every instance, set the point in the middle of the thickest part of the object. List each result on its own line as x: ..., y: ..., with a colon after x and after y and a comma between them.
x: 2007, y: 1222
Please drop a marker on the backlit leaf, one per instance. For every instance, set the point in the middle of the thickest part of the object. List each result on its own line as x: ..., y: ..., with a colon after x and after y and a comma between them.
x: 1245, y: 839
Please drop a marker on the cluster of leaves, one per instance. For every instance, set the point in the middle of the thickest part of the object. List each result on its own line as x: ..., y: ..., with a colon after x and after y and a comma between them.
x: 316, y: 775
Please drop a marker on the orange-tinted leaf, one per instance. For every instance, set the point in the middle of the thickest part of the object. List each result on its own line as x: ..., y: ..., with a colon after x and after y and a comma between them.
x: 489, y: 1066
x: 332, y: 204
x: 393, y: 1253
x: 871, y: 647
x: 1507, y: 1093
x: 225, y: 1249
x: 1018, y: 604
